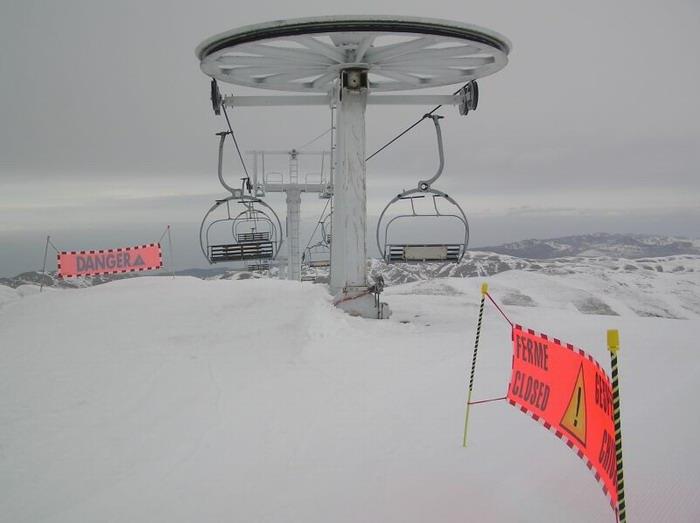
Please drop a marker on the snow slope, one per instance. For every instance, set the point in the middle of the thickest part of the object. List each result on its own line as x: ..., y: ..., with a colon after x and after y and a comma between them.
x: 155, y: 399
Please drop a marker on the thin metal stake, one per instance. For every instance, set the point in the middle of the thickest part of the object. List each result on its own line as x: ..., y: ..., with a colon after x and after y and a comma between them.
x: 172, y: 260
x: 613, y: 347
x: 484, y: 292
x: 43, y: 270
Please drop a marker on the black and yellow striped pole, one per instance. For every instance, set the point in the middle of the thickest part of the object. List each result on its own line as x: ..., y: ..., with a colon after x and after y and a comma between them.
x: 484, y: 292
x: 613, y: 347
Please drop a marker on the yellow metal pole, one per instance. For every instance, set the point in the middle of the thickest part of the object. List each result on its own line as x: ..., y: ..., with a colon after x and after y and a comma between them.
x: 613, y: 347
x: 484, y: 292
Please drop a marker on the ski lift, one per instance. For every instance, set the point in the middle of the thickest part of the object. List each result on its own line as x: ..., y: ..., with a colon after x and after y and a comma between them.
x: 253, y: 234
x: 319, y: 254
x: 393, y: 252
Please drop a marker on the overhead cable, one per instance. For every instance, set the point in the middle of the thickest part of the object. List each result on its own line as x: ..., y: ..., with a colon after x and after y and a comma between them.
x: 427, y: 115
x: 324, y: 133
x: 235, y: 142
x: 320, y: 220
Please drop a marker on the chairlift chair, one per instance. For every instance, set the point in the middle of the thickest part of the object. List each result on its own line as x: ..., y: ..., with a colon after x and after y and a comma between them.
x: 255, y: 233
x: 395, y: 252
x: 259, y: 265
x: 317, y: 255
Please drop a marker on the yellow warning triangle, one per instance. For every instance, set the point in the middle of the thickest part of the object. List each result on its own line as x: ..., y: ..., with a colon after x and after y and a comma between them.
x: 574, y: 419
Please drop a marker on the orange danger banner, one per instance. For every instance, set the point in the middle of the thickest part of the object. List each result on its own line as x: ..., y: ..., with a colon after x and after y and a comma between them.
x: 110, y: 261
x: 567, y: 391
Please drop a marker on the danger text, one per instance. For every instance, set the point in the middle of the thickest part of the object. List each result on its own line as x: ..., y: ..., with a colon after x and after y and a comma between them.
x: 112, y: 260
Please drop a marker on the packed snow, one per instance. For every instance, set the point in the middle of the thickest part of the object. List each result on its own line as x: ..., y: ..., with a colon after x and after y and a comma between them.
x: 159, y: 399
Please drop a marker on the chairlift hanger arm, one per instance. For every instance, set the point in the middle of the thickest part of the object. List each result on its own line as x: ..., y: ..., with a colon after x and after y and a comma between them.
x: 424, y: 185
x: 235, y: 192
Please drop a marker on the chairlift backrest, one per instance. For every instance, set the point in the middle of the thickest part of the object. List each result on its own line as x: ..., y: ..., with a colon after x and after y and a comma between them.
x: 245, y: 237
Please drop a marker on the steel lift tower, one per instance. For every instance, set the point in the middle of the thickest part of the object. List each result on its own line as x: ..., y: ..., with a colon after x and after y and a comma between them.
x: 293, y: 184
x: 341, y: 62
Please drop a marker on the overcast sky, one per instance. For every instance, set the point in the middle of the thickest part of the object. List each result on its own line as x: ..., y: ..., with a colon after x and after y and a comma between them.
x: 107, y: 135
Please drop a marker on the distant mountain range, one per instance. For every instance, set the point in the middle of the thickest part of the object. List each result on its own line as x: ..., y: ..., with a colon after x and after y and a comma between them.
x: 631, y: 246
x: 614, y: 252
x: 52, y: 280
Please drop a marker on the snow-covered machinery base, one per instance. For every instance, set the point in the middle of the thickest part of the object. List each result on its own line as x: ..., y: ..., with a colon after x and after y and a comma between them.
x: 338, y: 62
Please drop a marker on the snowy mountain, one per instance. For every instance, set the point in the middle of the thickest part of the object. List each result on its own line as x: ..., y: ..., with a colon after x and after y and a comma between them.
x: 483, y: 264
x: 51, y: 279
x: 657, y: 287
x: 630, y: 246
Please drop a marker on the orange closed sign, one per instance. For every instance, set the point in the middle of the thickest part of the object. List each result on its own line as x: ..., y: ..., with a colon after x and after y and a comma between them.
x: 567, y: 391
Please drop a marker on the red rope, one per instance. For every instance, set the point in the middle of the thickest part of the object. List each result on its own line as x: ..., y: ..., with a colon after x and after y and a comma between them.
x: 487, y: 401
x: 349, y: 298
x: 499, y: 309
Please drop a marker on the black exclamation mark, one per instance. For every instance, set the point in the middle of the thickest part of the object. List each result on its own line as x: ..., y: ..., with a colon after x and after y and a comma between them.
x: 578, y: 406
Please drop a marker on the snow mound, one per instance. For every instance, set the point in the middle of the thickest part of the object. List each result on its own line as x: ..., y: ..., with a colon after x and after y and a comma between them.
x: 155, y: 399
x: 7, y: 295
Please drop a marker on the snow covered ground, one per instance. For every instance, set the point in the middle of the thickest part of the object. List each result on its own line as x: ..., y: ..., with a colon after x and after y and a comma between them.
x: 155, y: 399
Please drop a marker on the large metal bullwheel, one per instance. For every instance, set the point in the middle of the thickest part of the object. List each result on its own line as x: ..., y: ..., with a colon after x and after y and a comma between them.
x: 399, y: 53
